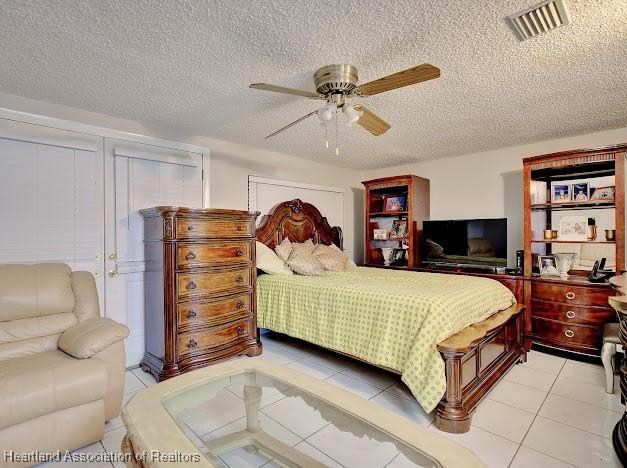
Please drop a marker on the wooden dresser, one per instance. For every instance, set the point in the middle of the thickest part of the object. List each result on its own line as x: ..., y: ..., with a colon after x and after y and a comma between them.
x: 570, y: 314
x: 200, y: 288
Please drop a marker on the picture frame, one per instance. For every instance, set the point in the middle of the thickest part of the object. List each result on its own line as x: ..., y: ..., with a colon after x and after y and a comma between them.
x: 547, y: 265
x: 560, y: 193
x: 573, y: 228
x: 400, y: 229
x: 603, y: 193
x: 380, y: 234
x: 395, y: 203
x: 399, y: 257
x: 581, y: 192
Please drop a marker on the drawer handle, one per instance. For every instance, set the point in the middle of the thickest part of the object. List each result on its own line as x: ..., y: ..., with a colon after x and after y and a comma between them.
x: 190, y: 255
x: 240, y: 331
x: 240, y: 304
x: 239, y: 253
x: 239, y: 279
x: 190, y: 228
x: 191, y: 314
x: 570, y: 314
x: 191, y: 285
x: 570, y: 295
x: 569, y: 333
x: 192, y: 343
x: 239, y: 228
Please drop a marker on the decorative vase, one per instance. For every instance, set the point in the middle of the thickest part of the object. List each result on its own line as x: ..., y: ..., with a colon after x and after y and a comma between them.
x: 386, y: 252
x: 564, y: 263
x: 610, y: 234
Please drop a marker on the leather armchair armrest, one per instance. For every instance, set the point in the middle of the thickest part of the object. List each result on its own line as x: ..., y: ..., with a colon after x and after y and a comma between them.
x: 91, y: 336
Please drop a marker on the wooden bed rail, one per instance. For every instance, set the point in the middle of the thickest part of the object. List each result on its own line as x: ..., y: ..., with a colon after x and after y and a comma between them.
x: 476, y: 359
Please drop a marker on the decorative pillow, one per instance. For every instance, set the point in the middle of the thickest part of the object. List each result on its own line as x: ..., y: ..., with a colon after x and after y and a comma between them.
x: 332, y: 259
x: 269, y: 262
x: 303, y: 262
x: 284, y: 249
x: 349, y: 261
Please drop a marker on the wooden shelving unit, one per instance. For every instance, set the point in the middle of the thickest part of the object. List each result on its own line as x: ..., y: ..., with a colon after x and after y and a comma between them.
x: 415, y: 190
x: 569, y: 313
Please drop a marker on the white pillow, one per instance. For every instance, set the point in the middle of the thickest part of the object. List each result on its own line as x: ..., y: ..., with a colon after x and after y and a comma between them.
x: 268, y: 262
x: 303, y: 262
x: 332, y: 259
x: 349, y: 263
x: 284, y: 249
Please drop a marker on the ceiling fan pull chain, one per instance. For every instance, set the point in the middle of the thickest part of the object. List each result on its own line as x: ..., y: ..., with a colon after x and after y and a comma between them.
x: 337, y: 133
x: 326, y: 135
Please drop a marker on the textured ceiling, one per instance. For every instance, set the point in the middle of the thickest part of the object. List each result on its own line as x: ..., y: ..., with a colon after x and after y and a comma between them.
x: 186, y: 65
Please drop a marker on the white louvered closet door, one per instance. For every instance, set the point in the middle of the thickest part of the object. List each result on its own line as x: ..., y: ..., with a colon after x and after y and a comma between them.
x: 51, y: 198
x: 140, y: 176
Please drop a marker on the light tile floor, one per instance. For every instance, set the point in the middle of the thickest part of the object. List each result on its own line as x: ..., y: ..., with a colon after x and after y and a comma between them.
x: 547, y: 412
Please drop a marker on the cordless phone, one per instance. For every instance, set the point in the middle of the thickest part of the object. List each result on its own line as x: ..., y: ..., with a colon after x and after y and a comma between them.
x: 594, y: 275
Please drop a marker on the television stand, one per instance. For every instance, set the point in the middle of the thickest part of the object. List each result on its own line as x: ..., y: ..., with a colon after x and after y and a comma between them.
x: 464, y: 268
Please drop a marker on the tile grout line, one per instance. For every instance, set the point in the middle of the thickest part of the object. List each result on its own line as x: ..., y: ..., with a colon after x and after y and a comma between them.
x: 318, y: 449
x: 534, y: 420
x: 578, y: 428
x: 586, y: 402
x: 393, y: 458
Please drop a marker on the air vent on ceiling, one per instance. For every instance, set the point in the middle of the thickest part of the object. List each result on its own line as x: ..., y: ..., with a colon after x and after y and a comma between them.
x: 539, y: 19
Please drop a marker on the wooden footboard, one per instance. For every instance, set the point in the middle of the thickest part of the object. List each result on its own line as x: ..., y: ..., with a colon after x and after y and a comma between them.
x: 476, y: 359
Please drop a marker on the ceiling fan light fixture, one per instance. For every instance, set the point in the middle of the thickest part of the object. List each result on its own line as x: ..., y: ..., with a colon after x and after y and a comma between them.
x: 352, y: 116
x: 327, y: 112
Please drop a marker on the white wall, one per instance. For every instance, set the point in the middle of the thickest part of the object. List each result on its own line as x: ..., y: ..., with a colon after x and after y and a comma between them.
x: 490, y: 184
x: 486, y: 184
x: 231, y: 164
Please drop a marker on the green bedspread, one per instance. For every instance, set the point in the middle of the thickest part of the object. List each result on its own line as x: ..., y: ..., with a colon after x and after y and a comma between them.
x: 389, y: 318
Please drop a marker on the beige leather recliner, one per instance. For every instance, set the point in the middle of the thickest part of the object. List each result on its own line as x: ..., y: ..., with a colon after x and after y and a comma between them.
x: 61, y: 364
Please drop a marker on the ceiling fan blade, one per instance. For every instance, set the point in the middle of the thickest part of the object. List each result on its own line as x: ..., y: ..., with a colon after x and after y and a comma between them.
x: 372, y: 122
x: 292, y: 124
x: 407, y: 77
x: 281, y: 89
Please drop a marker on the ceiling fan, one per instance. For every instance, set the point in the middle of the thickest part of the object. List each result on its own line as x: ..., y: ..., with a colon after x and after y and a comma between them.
x: 337, y: 85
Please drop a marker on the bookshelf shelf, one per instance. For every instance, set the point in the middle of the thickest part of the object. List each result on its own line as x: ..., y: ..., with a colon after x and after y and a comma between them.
x: 389, y: 213
x: 557, y: 241
x: 590, y: 205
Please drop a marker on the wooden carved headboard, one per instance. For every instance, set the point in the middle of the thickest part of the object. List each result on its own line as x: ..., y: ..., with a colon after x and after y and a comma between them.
x: 298, y: 221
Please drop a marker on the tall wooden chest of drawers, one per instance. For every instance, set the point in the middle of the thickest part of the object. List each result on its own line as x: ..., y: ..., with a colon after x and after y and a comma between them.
x: 200, y: 288
x: 570, y: 314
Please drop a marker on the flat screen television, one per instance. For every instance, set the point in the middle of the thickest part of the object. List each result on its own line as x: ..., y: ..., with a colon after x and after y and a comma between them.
x: 472, y: 242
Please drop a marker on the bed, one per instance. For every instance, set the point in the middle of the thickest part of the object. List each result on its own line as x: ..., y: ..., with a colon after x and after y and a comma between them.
x: 451, y: 337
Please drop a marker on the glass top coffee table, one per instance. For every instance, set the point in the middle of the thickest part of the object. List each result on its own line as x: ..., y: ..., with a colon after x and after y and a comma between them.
x: 253, y: 413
